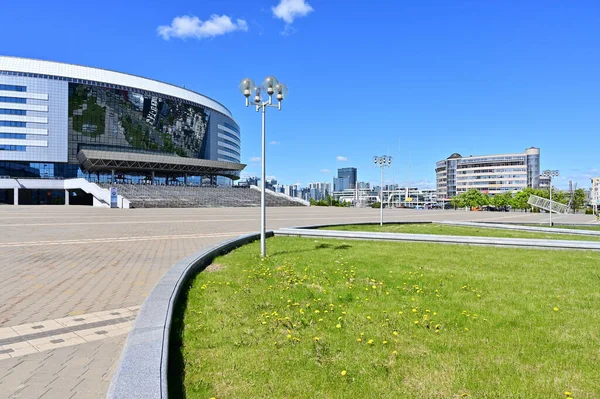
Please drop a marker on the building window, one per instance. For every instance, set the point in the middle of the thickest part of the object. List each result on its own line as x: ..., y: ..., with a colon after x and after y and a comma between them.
x: 4, y: 111
x: 12, y: 136
x: 13, y: 88
x: 13, y: 124
x: 13, y: 100
x: 12, y: 147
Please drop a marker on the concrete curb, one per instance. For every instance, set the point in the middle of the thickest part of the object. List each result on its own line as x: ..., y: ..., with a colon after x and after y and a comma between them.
x: 468, y: 240
x: 142, y: 370
x: 553, y: 230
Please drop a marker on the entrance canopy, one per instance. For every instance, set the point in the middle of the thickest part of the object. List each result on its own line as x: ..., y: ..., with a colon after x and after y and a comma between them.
x: 107, y: 161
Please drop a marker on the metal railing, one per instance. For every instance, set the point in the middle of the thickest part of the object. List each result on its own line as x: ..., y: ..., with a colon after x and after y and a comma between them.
x: 544, y: 203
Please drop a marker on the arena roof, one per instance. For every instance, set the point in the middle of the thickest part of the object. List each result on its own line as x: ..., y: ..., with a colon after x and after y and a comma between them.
x: 102, y: 161
x: 28, y: 65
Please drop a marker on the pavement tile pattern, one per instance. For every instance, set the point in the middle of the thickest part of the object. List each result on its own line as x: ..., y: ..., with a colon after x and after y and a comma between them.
x: 72, y: 279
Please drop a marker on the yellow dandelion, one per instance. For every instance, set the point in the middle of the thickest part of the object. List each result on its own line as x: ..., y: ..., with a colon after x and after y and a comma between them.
x: 338, y: 326
x: 358, y: 340
x: 395, y: 333
x: 395, y: 353
x: 289, y: 336
x: 343, y: 372
x: 556, y: 309
x: 370, y: 342
x: 316, y: 338
x: 385, y: 342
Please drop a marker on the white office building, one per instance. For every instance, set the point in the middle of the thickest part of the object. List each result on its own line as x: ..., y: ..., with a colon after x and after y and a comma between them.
x: 490, y: 174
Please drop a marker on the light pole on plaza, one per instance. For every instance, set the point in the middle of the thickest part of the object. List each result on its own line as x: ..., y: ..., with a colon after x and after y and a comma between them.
x: 271, y: 86
x: 382, y: 162
x: 550, y: 174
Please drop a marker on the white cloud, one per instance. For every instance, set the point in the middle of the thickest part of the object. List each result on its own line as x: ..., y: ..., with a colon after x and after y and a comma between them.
x: 274, y: 142
x: 288, y: 10
x: 341, y: 158
x: 271, y: 177
x: 325, y: 171
x: 254, y: 159
x: 191, y: 26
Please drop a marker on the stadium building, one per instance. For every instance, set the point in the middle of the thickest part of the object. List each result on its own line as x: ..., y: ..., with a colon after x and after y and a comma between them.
x: 67, y: 121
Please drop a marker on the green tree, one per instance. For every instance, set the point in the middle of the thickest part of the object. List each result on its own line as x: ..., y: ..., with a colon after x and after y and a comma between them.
x: 474, y: 198
x: 502, y: 200
x: 457, y: 201
x: 519, y: 201
x: 578, y: 199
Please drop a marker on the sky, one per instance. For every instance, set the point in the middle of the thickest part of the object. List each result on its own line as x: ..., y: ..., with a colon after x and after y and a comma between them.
x: 414, y: 79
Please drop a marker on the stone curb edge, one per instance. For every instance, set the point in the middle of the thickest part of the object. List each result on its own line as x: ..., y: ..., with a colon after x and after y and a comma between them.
x: 502, y: 226
x: 142, y: 369
x: 443, y: 239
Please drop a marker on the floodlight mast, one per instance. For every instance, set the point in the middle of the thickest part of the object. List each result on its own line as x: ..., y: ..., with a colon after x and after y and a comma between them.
x: 383, y: 161
x: 272, y: 86
x: 550, y: 174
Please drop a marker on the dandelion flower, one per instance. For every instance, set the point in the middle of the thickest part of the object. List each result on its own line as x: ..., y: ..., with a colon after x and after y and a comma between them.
x: 370, y: 342
x: 395, y: 333
x: 338, y: 326
x: 395, y: 353
x: 385, y: 342
x: 343, y: 372
x: 556, y: 309
x: 358, y: 340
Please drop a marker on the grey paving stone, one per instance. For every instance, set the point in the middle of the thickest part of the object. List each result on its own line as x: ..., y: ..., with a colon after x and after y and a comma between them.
x: 53, y: 281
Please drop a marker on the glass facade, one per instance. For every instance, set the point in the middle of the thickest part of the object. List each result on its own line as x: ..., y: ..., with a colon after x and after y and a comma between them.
x: 350, y: 174
x: 49, y: 119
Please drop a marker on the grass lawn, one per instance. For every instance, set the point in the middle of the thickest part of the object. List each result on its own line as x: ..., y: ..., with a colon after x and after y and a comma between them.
x: 329, y: 318
x: 443, y: 229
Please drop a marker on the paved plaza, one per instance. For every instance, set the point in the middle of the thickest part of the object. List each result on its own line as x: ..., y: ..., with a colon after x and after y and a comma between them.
x: 73, y: 279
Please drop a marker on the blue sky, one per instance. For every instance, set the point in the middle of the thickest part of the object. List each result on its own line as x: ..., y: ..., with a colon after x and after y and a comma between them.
x: 417, y: 79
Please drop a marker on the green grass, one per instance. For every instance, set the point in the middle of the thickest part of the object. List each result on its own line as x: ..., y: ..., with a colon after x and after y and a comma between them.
x: 445, y: 321
x: 442, y: 229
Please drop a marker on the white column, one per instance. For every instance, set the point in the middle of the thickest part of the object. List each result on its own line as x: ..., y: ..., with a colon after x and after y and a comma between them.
x: 16, y: 196
x: 66, y: 197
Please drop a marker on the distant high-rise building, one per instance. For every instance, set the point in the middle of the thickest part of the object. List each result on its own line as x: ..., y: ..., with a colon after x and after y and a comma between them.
x: 491, y: 174
x: 350, y: 174
x: 319, y: 191
x: 341, y: 183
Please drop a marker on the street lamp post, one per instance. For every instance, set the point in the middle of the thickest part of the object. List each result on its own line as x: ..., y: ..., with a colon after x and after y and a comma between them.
x: 382, y: 162
x: 271, y: 86
x: 550, y: 174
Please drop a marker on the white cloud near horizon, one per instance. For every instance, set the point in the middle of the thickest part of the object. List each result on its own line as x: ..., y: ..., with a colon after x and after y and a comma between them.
x: 341, y: 158
x: 325, y: 171
x: 274, y: 142
x: 254, y: 159
x: 191, y: 26
x: 289, y: 10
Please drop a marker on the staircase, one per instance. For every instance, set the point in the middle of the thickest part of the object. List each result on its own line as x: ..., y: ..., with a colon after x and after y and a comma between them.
x: 156, y: 196
x: 544, y: 203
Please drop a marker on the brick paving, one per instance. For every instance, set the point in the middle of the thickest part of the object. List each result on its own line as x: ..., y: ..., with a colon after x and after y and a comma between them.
x: 58, y: 262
